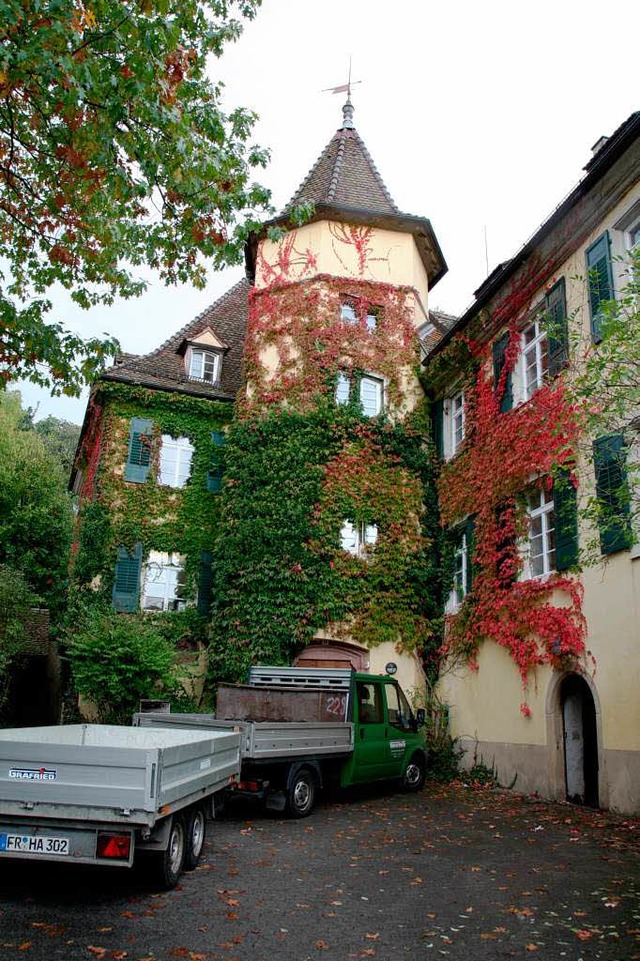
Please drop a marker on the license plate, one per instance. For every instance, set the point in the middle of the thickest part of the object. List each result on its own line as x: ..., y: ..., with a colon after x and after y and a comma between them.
x: 33, y: 844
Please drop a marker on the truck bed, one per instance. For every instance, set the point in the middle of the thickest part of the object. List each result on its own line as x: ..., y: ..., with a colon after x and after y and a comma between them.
x: 110, y: 773
x: 262, y: 740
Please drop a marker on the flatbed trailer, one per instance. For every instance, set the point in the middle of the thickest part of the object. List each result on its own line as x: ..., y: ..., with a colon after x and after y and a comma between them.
x: 102, y: 794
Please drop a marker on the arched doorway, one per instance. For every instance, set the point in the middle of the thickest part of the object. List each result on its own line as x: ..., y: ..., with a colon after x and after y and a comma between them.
x: 326, y: 652
x: 580, y: 737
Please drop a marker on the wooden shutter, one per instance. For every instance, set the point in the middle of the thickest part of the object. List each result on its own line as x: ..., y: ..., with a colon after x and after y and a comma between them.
x: 499, y: 358
x: 558, y: 328
x: 139, y: 457
x: 205, y: 583
x: 612, y: 493
x: 126, y: 584
x: 437, y: 426
x: 599, y: 280
x: 565, y: 507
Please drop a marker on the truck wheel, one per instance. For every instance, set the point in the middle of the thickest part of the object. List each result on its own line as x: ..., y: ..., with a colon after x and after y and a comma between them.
x: 196, y: 833
x: 414, y: 774
x: 168, y: 864
x: 301, y: 795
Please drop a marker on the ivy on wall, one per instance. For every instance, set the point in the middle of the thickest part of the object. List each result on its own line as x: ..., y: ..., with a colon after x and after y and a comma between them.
x: 504, y: 454
x: 280, y: 571
x: 117, y: 513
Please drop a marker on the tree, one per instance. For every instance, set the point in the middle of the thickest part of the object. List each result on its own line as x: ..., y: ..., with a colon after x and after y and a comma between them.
x: 60, y: 437
x: 16, y: 603
x: 114, y: 154
x: 604, y: 385
x: 35, y: 510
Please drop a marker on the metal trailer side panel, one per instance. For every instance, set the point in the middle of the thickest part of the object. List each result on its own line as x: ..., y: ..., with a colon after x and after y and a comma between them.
x: 291, y: 740
x: 267, y: 739
x: 105, y: 772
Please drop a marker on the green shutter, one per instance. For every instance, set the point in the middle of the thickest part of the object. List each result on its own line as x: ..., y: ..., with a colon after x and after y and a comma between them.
x: 437, y: 426
x: 205, y: 583
x: 499, y: 358
x: 126, y: 584
x: 565, y: 506
x: 216, y: 469
x: 470, y: 537
x: 609, y: 455
x: 557, y: 328
x: 599, y: 280
x: 139, y: 456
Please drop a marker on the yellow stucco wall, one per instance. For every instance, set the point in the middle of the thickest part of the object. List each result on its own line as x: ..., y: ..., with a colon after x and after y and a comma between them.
x: 327, y: 247
x: 485, y: 704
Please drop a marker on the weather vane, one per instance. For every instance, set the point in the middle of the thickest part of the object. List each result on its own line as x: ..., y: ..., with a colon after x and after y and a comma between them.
x: 345, y: 87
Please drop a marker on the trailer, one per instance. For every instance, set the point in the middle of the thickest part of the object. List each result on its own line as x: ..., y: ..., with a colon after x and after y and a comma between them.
x: 303, y: 730
x: 104, y: 794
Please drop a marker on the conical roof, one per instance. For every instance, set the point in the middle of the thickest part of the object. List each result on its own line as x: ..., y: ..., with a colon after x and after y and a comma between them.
x: 344, y: 186
x: 344, y: 174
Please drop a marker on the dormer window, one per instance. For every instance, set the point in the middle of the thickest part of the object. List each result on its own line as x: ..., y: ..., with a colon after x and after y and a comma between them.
x: 204, y: 365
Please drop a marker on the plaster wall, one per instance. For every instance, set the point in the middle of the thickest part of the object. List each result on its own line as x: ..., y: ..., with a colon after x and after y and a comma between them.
x: 327, y: 247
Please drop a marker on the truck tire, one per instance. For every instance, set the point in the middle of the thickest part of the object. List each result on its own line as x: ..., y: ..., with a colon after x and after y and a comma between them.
x: 414, y: 774
x: 301, y: 793
x: 167, y: 865
x: 195, y: 837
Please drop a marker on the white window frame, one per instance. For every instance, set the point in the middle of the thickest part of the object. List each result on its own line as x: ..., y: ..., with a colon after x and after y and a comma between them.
x: 161, y: 587
x: 541, y: 532
x: 454, y: 423
x: 175, y: 461
x: 358, y: 539
x: 460, y: 585
x: 378, y: 386
x: 348, y: 313
x: 343, y: 392
x: 207, y: 371
x: 534, y: 356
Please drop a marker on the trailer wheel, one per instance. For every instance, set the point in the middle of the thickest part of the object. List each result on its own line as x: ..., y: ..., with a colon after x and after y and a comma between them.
x: 414, y: 774
x: 196, y: 833
x: 301, y: 795
x: 167, y: 865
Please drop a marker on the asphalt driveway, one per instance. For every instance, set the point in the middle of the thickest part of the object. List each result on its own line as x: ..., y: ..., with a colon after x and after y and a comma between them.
x: 451, y: 872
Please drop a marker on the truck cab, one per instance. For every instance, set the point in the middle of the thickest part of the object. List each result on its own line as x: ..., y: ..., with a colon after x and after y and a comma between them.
x: 389, y: 742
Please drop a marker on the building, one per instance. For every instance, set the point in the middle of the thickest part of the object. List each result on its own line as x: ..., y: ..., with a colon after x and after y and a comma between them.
x: 544, y: 661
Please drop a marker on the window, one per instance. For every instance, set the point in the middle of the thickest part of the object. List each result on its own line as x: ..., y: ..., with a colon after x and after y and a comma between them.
x: 175, y: 461
x: 369, y: 703
x: 612, y: 491
x: 348, y: 312
x: 398, y: 710
x: 343, y: 389
x: 453, y: 424
x: 359, y: 538
x: 599, y: 281
x: 163, y: 582
x: 633, y: 235
x: 370, y: 393
x: 535, y: 357
x: 462, y: 565
x: 139, y: 455
x: 204, y: 365
x: 557, y: 327
x: 542, y: 541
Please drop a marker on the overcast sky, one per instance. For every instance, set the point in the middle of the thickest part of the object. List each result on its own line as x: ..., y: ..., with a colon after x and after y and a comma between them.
x: 479, y: 116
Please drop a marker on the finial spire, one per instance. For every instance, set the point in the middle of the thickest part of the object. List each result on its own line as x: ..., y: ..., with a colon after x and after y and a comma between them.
x: 347, y: 113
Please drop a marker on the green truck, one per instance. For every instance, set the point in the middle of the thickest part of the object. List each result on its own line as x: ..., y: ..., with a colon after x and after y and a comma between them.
x: 305, y: 730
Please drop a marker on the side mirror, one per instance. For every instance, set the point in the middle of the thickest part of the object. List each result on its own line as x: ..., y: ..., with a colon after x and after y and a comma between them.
x: 421, y: 717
